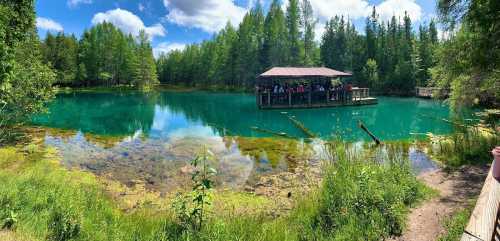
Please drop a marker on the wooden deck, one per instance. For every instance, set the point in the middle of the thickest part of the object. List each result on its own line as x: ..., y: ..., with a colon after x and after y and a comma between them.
x: 359, y: 96
x: 355, y: 102
x: 484, y: 223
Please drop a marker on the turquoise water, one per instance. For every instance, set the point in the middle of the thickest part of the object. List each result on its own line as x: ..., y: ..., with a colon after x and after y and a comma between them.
x: 166, y: 114
x: 154, y: 135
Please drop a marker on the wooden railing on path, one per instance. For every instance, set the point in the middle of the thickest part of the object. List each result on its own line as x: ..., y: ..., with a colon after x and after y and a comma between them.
x: 430, y: 92
x: 484, y: 222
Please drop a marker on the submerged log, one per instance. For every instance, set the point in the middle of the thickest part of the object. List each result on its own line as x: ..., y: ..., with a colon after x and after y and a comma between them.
x: 301, y: 127
x: 363, y: 127
x: 281, y: 134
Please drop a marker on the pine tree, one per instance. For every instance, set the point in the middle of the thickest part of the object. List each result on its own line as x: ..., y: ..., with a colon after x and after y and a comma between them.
x: 146, y: 69
x: 308, y: 23
x: 274, y: 50
x: 293, y: 22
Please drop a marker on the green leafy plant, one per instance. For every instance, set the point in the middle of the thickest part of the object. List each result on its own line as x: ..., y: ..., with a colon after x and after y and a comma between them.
x: 10, y: 221
x: 62, y: 226
x: 191, y: 208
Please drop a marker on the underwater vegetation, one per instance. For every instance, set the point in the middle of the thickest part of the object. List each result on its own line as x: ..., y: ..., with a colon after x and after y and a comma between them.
x: 358, y: 199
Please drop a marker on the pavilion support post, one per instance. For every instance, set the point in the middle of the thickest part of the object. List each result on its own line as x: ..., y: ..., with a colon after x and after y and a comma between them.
x: 309, y: 97
x: 328, y: 96
x: 289, y: 98
x: 269, y: 98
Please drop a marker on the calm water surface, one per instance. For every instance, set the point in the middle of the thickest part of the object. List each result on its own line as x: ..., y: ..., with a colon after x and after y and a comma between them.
x: 167, y: 114
x: 155, y: 134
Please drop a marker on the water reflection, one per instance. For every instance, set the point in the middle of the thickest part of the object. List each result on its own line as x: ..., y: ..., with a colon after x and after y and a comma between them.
x: 163, y: 164
x: 154, y: 135
x: 161, y: 114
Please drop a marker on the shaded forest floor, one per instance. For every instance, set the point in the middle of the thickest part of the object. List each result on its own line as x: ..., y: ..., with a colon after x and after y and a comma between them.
x: 456, y: 189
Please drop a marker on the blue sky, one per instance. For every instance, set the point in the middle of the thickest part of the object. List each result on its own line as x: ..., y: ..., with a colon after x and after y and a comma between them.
x: 174, y: 23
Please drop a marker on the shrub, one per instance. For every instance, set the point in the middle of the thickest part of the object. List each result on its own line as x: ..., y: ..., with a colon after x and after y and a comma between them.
x: 62, y: 225
x: 364, y: 199
x: 466, y: 146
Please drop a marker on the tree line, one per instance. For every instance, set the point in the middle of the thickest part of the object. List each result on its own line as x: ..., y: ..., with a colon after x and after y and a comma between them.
x: 25, y: 81
x: 468, y: 61
x: 104, y: 56
x: 389, y: 57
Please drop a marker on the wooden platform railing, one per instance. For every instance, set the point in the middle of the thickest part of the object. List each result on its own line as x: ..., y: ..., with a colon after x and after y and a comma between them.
x: 360, y: 93
x: 484, y: 224
x: 430, y: 92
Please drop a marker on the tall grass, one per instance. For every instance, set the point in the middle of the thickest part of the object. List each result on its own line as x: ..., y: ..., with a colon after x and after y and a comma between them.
x: 359, y: 199
x: 52, y: 203
x: 467, y: 145
x: 363, y: 199
x: 455, y: 225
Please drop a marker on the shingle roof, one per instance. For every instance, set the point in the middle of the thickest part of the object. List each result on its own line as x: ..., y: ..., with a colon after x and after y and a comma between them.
x: 294, y: 72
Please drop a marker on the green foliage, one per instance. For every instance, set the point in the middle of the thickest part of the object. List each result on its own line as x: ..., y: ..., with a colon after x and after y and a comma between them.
x: 293, y: 22
x: 370, y: 73
x: 104, y: 56
x: 308, y: 24
x: 52, y: 203
x: 455, y: 225
x: 61, y: 53
x: 235, y: 57
x: 334, y: 44
x: 191, y: 209
x: 468, y: 61
x: 358, y: 199
x: 145, y: 73
x: 62, y: 225
x: 10, y: 221
x: 361, y: 193
x: 467, y: 145
x: 25, y: 83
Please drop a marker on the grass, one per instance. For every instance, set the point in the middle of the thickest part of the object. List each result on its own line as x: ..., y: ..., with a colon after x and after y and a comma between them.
x: 358, y: 200
x: 466, y: 146
x: 455, y: 225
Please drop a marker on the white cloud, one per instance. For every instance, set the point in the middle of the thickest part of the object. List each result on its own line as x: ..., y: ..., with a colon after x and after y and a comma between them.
x: 74, y: 3
x: 355, y: 9
x: 48, y: 24
x: 166, y: 48
x: 128, y: 22
x: 141, y: 7
x: 319, y: 30
x: 208, y: 15
x: 389, y: 8
x: 326, y: 9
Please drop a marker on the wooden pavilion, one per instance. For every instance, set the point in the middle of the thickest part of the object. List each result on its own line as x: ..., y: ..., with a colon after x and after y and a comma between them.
x: 287, y: 87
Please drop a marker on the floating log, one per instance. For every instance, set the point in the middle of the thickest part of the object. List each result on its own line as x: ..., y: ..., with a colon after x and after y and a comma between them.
x: 301, y: 127
x: 281, y: 134
x: 363, y: 127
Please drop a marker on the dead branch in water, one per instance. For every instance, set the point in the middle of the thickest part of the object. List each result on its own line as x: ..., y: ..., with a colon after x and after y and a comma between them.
x: 363, y: 127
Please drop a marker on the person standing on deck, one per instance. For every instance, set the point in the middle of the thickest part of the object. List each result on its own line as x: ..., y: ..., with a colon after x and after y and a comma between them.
x: 300, y: 90
x: 349, y: 92
x: 342, y: 92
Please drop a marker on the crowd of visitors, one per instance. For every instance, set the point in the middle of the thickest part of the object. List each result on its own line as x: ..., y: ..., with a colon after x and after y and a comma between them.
x: 299, y: 92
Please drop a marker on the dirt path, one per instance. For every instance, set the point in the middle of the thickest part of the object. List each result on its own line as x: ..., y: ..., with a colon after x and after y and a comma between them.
x: 10, y: 236
x: 425, y: 223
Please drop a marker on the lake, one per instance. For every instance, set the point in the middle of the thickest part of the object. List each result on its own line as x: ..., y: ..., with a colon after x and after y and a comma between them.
x: 166, y: 114
x: 152, y: 136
